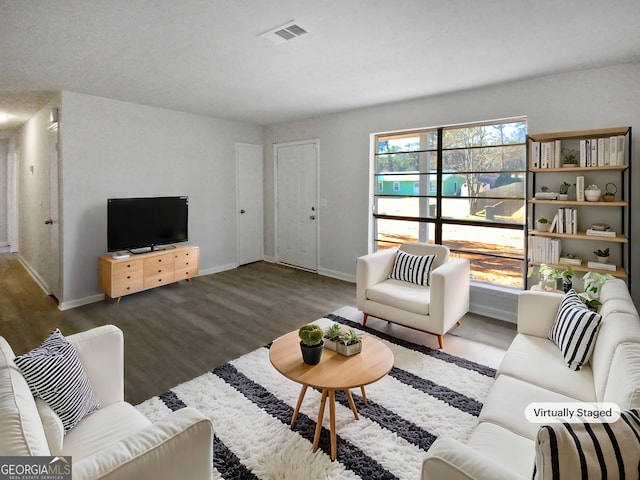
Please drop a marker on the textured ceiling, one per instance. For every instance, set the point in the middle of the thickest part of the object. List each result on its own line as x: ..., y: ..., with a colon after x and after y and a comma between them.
x: 205, y: 56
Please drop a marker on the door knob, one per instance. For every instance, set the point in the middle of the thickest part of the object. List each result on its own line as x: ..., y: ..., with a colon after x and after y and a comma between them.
x: 242, y: 211
x: 48, y: 222
x: 312, y: 217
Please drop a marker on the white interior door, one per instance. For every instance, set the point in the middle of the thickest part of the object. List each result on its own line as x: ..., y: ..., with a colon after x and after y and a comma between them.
x: 297, y: 207
x: 52, y: 273
x: 249, y: 203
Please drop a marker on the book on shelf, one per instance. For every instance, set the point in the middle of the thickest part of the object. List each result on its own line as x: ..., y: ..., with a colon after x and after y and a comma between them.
x: 580, y: 188
x: 535, y: 154
x: 567, y: 220
x: 592, y: 160
x: 600, y: 233
x: 547, y: 155
x: 544, y: 249
x: 570, y: 261
x: 620, y: 150
x: 583, y: 152
x: 602, y: 266
x: 557, y: 148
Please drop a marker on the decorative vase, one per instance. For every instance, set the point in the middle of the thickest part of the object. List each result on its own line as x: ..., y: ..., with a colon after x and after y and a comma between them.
x: 603, y: 259
x: 311, y: 355
x: 563, y: 196
x: 592, y: 195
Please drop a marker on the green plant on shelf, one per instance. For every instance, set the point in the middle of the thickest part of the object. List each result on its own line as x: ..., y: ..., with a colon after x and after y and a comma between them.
x: 601, y: 253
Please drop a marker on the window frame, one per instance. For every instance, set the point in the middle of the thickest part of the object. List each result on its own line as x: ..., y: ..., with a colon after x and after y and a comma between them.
x: 438, y: 221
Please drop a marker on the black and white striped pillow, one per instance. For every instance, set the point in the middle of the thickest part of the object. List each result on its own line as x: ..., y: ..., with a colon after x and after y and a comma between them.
x: 54, y: 373
x: 574, y: 330
x: 589, y: 450
x: 412, y: 268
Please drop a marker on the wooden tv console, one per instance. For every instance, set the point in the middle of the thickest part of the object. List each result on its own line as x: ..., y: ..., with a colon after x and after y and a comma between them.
x: 122, y: 276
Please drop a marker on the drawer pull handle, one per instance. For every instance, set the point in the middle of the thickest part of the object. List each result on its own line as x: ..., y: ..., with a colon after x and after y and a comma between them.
x: 128, y: 288
x: 159, y: 280
x: 128, y: 277
x: 159, y: 271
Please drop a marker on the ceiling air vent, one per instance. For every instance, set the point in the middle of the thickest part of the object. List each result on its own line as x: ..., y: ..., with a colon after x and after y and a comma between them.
x: 283, y: 33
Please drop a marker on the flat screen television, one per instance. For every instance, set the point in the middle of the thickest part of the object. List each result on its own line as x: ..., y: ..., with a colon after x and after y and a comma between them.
x: 144, y: 224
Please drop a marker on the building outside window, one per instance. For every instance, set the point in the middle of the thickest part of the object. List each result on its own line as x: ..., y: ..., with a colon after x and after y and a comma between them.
x: 462, y: 186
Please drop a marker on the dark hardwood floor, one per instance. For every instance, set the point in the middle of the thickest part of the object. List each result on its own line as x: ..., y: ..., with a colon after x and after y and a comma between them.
x: 177, y: 332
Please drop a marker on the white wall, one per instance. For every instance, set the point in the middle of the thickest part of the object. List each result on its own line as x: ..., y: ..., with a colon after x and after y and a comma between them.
x: 606, y: 97
x: 117, y: 149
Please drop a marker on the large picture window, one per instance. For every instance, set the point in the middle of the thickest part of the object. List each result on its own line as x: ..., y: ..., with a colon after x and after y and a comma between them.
x: 460, y: 186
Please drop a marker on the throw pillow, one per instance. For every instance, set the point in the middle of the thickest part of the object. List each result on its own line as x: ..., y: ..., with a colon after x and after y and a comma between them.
x: 412, y: 268
x: 589, y: 450
x: 54, y: 373
x: 574, y: 330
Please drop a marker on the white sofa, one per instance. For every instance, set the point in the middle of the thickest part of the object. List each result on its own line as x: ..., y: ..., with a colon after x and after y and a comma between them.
x: 114, y: 442
x: 434, y: 309
x: 533, y: 370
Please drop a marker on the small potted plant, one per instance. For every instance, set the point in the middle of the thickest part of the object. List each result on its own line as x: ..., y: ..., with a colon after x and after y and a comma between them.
x: 592, y: 282
x: 542, y: 224
x: 332, y: 336
x: 563, y: 192
x: 569, y: 157
x: 350, y: 344
x: 311, y: 343
x: 602, y: 255
x: 346, y: 344
x: 592, y: 193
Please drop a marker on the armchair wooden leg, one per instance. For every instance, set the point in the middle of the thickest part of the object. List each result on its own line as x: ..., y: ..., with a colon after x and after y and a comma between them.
x: 364, y: 320
x: 440, y: 341
x: 459, y: 323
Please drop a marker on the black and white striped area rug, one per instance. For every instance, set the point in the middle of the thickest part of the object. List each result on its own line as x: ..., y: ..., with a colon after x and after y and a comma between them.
x: 428, y: 393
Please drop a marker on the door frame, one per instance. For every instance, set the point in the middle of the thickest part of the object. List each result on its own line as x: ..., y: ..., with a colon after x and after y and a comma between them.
x: 316, y: 143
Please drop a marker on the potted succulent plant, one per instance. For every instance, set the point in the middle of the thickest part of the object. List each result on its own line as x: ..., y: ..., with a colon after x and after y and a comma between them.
x: 542, y: 224
x: 602, y: 255
x: 563, y: 192
x: 346, y: 344
x: 350, y: 344
x: 311, y: 343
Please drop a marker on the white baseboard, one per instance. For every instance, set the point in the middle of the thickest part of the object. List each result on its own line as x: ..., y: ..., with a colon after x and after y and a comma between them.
x: 80, y: 302
x: 218, y: 269
x: 339, y: 275
x: 38, y: 279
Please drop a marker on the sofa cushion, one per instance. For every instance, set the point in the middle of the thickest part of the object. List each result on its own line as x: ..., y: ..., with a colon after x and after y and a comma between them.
x: 538, y: 361
x: 575, y: 330
x: 412, y: 268
x: 55, y: 374
x: 507, y: 402
x: 509, y: 449
x: 22, y: 432
x: 403, y: 295
x: 593, y: 450
x: 53, y: 428
x: 103, y: 428
x: 615, y: 329
x: 623, y: 385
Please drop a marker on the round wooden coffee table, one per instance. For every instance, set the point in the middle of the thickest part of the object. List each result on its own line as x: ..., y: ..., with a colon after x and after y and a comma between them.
x: 334, y: 372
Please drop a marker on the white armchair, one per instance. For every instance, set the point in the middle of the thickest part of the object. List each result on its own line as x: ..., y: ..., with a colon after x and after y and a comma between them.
x: 434, y: 308
x: 116, y: 442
